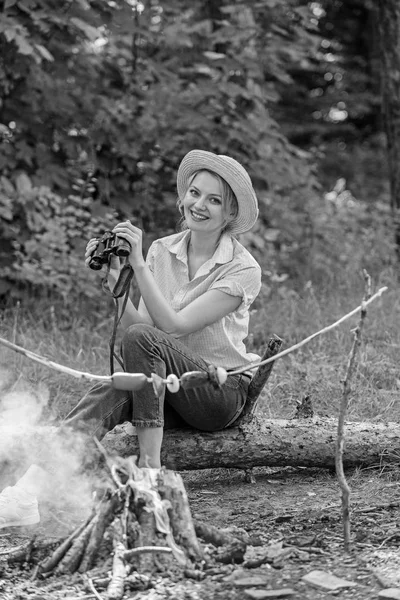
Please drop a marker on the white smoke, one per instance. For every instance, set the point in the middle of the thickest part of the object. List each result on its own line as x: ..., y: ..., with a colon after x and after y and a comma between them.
x: 63, y: 489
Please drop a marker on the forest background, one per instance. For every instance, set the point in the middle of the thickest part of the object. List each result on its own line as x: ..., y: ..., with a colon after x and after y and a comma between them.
x: 99, y: 102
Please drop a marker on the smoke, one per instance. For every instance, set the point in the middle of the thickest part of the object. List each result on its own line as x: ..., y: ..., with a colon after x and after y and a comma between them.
x: 64, y: 490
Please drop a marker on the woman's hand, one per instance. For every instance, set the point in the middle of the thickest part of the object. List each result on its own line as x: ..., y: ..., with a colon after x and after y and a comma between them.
x: 115, y: 263
x: 90, y: 248
x: 133, y: 235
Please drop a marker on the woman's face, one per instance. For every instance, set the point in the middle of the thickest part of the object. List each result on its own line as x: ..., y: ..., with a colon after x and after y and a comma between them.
x: 202, y: 204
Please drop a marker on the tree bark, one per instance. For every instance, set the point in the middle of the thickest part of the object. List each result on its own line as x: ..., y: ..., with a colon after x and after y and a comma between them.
x: 270, y: 443
x: 389, y: 34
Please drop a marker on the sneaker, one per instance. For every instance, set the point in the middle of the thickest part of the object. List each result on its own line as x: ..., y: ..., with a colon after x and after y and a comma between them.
x: 18, y: 508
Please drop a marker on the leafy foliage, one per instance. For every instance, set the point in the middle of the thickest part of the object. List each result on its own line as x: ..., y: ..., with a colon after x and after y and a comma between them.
x: 122, y: 90
x: 335, y: 92
x: 41, y: 232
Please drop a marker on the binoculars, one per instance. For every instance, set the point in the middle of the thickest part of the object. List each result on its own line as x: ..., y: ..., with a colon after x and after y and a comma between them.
x: 108, y: 244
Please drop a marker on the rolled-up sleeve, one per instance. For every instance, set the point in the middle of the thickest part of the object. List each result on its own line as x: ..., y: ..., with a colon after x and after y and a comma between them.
x: 244, y: 282
x: 150, y: 257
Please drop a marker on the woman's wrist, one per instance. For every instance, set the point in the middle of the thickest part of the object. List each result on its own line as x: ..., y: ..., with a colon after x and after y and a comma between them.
x: 139, y: 266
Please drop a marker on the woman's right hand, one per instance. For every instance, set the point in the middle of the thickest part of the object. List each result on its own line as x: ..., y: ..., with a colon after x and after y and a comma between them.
x: 115, y: 262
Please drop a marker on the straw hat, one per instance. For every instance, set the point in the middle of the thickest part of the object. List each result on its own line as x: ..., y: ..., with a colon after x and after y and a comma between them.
x: 235, y: 176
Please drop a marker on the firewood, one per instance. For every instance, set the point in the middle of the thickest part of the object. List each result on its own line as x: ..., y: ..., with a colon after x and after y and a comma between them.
x: 140, y: 516
x: 173, y: 489
x: 23, y: 552
x: 137, y: 582
x: 216, y: 536
x: 234, y: 553
x: 128, y: 554
x: 116, y: 587
x: 102, y: 520
x: 52, y: 561
x: 72, y: 559
x: 146, y: 537
x: 231, y: 549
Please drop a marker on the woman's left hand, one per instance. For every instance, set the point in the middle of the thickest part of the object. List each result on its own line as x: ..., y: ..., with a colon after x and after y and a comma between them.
x: 134, y: 236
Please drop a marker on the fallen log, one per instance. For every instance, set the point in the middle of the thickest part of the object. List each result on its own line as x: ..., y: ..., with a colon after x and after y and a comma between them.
x: 269, y: 443
x: 304, y: 442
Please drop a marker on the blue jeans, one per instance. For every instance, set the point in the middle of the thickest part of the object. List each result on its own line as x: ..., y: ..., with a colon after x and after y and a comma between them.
x: 146, y: 349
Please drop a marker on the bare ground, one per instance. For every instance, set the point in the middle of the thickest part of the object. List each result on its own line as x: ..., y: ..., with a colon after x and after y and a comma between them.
x: 292, y: 520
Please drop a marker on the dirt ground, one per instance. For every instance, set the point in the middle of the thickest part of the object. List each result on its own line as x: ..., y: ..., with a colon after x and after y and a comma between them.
x: 290, y: 518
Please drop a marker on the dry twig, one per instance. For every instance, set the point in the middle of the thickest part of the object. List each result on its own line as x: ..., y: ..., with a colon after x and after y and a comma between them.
x: 344, y: 403
x: 53, y: 365
x: 312, y: 336
x: 95, y: 592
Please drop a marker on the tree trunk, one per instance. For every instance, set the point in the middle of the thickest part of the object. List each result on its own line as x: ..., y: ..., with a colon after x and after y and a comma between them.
x: 269, y: 443
x: 389, y: 29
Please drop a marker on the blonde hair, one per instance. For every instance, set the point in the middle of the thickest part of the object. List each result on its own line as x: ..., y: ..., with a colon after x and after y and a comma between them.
x: 229, y: 202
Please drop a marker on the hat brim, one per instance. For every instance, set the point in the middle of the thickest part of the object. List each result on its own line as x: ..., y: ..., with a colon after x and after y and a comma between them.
x: 235, y: 176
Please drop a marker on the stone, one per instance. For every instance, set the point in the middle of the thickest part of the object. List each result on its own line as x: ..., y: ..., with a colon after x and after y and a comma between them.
x: 327, y: 581
x: 390, y: 594
x: 264, y: 594
x: 251, y: 581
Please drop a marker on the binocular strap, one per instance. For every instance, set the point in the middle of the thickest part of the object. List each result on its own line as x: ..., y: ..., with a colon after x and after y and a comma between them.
x: 121, y: 289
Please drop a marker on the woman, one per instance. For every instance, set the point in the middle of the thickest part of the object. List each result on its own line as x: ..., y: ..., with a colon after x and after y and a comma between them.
x: 196, y: 288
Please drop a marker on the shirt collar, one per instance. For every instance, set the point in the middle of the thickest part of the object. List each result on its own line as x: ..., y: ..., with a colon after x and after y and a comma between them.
x: 222, y: 255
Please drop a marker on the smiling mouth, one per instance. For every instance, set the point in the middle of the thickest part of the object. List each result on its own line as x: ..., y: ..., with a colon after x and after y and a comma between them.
x: 198, y: 217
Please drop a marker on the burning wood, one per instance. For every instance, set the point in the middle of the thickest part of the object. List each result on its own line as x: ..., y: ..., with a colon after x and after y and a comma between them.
x: 140, y: 525
x: 143, y: 517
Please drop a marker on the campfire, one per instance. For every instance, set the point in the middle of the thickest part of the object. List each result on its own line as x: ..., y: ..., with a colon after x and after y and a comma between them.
x: 140, y: 525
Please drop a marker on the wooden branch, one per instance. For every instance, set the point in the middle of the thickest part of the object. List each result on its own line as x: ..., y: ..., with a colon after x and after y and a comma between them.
x: 311, y: 337
x: 53, y: 365
x: 344, y: 403
x: 260, y: 378
x: 128, y: 554
x: 213, y: 535
x: 95, y: 592
x: 23, y: 552
x: 50, y: 563
x: 115, y: 589
x: 72, y: 559
x: 173, y: 490
x: 102, y: 520
x: 136, y: 379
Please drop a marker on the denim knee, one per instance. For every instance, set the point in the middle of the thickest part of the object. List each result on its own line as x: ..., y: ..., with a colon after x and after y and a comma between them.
x: 136, y: 334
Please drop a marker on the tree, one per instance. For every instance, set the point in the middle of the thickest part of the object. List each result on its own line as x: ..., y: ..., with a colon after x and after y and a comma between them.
x: 120, y: 92
x: 389, y: 28
x: 335, y: 92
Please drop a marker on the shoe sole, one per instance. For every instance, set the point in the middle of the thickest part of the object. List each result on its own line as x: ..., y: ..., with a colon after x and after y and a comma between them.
x: 21, y: 522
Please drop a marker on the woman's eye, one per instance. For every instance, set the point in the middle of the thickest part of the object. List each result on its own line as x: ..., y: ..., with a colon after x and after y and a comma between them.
x: 215, y: 200
x: 193, y: 192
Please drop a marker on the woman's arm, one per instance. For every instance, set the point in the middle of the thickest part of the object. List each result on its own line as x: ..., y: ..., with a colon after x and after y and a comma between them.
x: 210, y: 307
x: 131, y: 315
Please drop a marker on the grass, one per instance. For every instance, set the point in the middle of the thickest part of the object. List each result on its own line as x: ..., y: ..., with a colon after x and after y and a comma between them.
x: 319, y: 367
x: 81, y: 341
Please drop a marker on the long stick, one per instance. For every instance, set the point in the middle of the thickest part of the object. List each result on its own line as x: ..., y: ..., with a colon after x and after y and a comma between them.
x: 344, y: 403
x: 82, y: 375
x: 53, y: 365
x: 311, y: 337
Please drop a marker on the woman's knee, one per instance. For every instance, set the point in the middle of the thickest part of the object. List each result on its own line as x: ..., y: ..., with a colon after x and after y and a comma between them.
x: 140, y: 334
